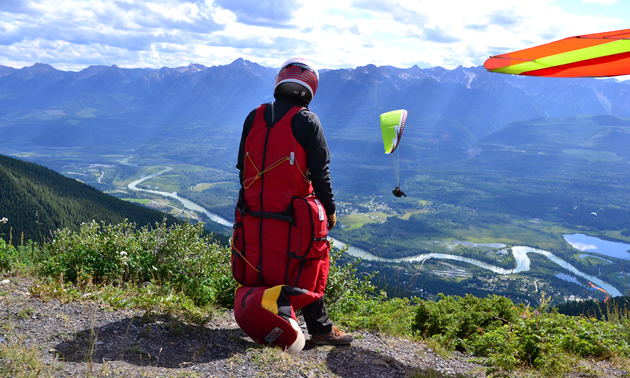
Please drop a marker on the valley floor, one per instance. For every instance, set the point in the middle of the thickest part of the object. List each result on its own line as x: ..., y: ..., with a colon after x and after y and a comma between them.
x: 53, y: 338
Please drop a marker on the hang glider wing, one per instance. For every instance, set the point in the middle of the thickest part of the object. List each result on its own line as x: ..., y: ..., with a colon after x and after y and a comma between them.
x: 590, y: 55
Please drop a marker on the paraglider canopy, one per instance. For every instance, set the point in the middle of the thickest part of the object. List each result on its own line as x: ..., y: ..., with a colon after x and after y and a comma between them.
x: 590, y: 55
x: 392, y: 126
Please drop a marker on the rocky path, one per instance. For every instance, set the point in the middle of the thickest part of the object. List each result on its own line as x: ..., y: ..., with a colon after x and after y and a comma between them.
x: 81, y: 339
x: 88, y: 339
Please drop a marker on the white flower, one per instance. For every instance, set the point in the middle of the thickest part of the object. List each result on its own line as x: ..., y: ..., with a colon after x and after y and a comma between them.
x: 4, y: 220
x: 123, y: 253
x: 154, y: 268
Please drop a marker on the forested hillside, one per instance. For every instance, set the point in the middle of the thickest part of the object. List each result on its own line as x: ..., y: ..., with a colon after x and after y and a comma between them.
x: 37, y: 200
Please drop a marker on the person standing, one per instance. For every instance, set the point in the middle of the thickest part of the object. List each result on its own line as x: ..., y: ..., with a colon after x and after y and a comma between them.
x: 282, y: 155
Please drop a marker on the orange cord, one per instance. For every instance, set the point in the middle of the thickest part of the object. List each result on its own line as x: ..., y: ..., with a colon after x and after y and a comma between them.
x: 243, y: 257
x: 303, y: 174
x: 259, y: 174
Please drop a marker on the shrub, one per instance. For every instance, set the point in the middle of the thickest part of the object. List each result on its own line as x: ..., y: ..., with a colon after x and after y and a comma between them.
x: 455, y: 319
x: 351, y: 301
x: 392, y: 316
x: 509, y: 337
x: 176, y: 257
x: 8, y: 255
x: 22, y: 258
x: 343, y: 281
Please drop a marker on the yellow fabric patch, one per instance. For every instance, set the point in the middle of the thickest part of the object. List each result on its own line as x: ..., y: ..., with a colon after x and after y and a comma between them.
x: 270, y: 299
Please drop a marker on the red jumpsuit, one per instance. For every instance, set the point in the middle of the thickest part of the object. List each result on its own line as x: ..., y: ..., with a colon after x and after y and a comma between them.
x: 280, y: 231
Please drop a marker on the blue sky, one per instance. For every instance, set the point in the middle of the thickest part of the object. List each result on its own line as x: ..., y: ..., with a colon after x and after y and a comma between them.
x: 74, y: 34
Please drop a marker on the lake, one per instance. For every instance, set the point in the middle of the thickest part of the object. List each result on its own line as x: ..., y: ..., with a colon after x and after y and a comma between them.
x: 586, y: 243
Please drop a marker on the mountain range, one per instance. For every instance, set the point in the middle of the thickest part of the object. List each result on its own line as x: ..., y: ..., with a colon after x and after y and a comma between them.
x: 194, y: 115
x: 108, y: 109
x: 483, y: 155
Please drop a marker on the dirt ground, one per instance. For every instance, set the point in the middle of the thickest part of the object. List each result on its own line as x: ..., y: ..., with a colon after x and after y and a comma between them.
x: 80, y: 339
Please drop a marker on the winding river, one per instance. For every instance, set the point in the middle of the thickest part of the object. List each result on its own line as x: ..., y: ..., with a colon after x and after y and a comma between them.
x: 187, y: 203
x: 520, y: 253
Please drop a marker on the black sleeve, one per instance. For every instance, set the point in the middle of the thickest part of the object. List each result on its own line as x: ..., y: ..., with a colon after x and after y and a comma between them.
x: 307, y: 130
x: 247, y: 126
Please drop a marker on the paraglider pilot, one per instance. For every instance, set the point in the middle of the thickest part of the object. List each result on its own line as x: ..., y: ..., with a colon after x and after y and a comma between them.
x: 283, y: 156
x: 392, y: 126
x: 398, y: 193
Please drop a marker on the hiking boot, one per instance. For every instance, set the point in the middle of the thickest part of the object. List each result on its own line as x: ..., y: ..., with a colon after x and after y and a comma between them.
x: 335, y: 337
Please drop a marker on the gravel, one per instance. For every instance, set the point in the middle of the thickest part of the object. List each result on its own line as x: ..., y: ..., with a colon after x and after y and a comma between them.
x: 88, y: 339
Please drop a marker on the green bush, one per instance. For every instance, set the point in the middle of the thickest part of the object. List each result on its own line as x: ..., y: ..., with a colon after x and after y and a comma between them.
x: 18, y: 259
x: 352, y: 302
x: 176, y: 257
x: 8, y: 255
x: 343, y: 282
x: 545, y: 340
x: 508, y: 337
x: 454, y: 318
x: 392, y: 316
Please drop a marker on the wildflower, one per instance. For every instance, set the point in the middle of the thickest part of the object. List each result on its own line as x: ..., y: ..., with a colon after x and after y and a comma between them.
x: 536, y: 313
x: 154, y: 268
x: 123, y: 257
x: 4, y: 220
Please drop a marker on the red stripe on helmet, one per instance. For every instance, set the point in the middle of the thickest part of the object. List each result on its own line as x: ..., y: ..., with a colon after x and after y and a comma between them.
x: 298, y: 71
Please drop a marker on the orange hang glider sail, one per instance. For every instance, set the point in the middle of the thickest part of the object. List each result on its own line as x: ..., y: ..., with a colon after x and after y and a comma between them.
x: 591, y: 55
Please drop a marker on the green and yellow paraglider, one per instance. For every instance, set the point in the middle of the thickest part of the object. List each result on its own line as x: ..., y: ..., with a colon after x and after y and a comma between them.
x: 392, y: 126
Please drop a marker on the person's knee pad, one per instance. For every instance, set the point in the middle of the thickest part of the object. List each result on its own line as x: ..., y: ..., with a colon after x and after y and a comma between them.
x: 266, y: 315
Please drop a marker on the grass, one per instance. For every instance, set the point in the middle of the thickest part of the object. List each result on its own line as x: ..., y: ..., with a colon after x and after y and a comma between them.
x: 352, y: 222
x: 208, y: 185
x: 165, y: 183
x: 176, y: 271
x: 409, y: 213
x: 22, y: 360
x: 592, y: 260
x: 143, y: 201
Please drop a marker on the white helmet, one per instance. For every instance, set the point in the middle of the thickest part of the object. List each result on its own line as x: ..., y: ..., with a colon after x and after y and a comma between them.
x: 297, y: 78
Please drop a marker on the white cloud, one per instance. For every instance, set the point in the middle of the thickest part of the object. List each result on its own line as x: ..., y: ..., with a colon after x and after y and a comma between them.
x: 274, y: 14
x: 71, y: 34
x: 584, y: 247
